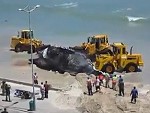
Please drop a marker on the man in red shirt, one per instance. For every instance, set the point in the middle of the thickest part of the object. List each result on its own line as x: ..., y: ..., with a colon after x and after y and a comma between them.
x: 101, y: 77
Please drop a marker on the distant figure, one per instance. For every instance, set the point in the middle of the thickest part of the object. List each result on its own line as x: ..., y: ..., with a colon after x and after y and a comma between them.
x: 89, y: 86
x: 134, y: 94
x: 97, y: 84
x: 5, y: 111
x: 101, y: 77
x: 42, y: 90
x: 107, y: 78
x: 114, y: 82
x: 46, y: 86
x: 35, y: 78
x: 3, y: 87
x: 121, y: 87
x: 7, y: 88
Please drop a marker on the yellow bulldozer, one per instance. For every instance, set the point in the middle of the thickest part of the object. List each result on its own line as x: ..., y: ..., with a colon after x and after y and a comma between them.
x: 97, y: 44
x: 22, y: 42
x: 120, y: 60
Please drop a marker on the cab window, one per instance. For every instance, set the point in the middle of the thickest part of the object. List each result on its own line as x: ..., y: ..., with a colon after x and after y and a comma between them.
x: 124, y: 51
x: 92, y: 40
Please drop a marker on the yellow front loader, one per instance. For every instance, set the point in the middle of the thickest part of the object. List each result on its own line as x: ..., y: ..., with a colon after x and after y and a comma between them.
x: 97, y: 44
x: 121, y: 60
x: 22, y: 42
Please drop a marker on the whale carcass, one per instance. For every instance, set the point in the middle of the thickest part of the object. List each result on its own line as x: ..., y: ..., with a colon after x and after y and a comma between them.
x: 62, y: 60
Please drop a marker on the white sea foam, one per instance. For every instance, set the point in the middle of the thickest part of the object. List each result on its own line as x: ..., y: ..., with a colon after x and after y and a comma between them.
x: 67, y: 5
x: 133, y: 19
x: 122, y: 10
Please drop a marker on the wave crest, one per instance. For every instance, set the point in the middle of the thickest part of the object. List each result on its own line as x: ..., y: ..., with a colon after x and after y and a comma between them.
x: 122, y: 10
x: 67, y: 5
x: 133, y: 19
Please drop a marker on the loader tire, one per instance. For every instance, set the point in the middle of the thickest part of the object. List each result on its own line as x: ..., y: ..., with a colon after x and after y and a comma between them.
x: 108, y: 68
x: 131, y: 67
x: 18, y: 48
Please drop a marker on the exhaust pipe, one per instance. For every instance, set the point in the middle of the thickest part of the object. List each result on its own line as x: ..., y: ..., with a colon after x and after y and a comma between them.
x: 131, y: 50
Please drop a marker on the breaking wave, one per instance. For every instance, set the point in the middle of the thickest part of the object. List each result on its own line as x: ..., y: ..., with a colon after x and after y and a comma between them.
x: 133, y: 19
x: 122, y: 10
x: 67, y: 5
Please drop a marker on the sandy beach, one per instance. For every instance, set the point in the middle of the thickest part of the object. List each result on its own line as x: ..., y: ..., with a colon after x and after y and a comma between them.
x: 69, y: 23
x: 71, y: 96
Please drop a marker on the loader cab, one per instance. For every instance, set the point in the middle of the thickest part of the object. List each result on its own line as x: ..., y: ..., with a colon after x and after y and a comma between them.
x: 26, y: 34
x: 119, y: 48
x: 98, y: 40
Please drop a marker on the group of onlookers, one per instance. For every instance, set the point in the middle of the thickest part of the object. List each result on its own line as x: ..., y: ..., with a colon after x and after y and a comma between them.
x: 44, y: 87
x: 114, y: 80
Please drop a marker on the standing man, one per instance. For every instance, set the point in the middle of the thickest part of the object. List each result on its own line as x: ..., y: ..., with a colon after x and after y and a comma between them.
x: 134, y: 94
x: 35, y: 78
x: 7, y: 88
x: 46, y: 86
x: 101, y: 77
x: 114, y: 82
x: 121, y: 87
x: 42, y: 90
x: 89, y: 86
x: 3, y: 87
x: 97, y: 84
x: 107, y: 78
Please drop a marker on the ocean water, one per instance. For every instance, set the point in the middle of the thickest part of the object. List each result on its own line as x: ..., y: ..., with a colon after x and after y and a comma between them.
x: 70, y: 22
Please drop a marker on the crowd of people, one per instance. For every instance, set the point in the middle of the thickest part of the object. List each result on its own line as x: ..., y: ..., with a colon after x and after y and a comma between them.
x: 103, y: 79
x: 6, y: 89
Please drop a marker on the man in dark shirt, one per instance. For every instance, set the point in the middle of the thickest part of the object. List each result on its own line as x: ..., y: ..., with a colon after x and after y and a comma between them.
x: 121, y: 87
x: 89, y: 86
x: 120, y: 79
x: 134, y: 94
x: 5, y: 111
x: 7, y: 88
x: 46, y: 86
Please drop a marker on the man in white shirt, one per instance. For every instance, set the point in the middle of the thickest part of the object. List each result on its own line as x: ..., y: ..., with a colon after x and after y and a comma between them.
x: 35, y: 78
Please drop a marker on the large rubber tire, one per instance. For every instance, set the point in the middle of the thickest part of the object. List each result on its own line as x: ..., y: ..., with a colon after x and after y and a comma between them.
x: 131, y: 67
x: 108, y: 68
x: 18, y: 48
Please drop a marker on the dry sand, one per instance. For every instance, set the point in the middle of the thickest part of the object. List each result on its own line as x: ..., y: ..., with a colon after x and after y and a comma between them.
x: 15, y: 67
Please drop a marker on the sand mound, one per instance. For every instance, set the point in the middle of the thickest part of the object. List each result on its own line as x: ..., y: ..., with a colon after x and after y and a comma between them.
x: 69, y: 99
